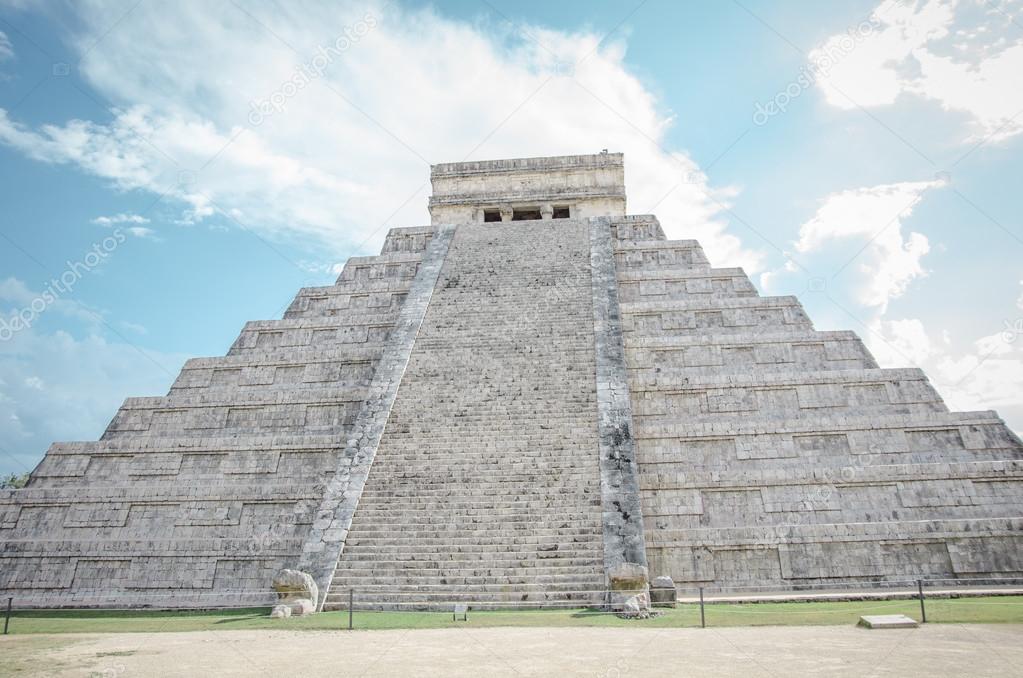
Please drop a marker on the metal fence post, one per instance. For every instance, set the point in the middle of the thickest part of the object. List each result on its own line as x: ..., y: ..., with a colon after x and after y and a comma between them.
x: 7, y: 616
x: 920, y: 591
x: 703, y: 619
x: 351, y: 605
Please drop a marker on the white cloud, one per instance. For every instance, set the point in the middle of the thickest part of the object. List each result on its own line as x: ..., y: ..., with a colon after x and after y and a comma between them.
x: 133, y: 327
x: 991, y: 379
x: 16, y: 291
x: 870, y: 220
x: 965, y: 56
x: 898, y: 343
x: 29, y: 304
x: 142, y: 232
x: 986, y: 374
x: 320, y: 267
x: 43, y: 377
x: 122, y: 218
x: 989, y: 91
x: 347, y: 154
x: 6, y: 49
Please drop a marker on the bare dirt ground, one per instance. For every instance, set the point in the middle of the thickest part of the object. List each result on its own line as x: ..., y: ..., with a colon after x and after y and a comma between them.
x: 932, y: 650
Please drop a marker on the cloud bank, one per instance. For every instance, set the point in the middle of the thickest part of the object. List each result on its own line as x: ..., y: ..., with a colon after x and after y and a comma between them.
x: 965, y: 56
x: 319, y: 123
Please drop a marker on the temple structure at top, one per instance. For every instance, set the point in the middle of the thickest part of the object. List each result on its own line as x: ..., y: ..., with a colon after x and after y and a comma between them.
x: 528, y: 189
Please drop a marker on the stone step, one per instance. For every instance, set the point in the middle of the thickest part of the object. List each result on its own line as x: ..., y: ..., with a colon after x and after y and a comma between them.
x: 441, y: 507
x: 465, y: 554
x: 493, y: 513
x: 504, y: 493
x: 464, y: 463
x: 402, y: 476
x: 474, y: 542
x: 444, y: 538
x: 577, y: 485
x: 452, y: 450
x: 441, y: 585
x: 443, y: 481
x: 507, y: 529
x: 504, y: 526
x: 476, y: 518
x: 497, y: 566
x: 538, y: 574
x: 445, y: 601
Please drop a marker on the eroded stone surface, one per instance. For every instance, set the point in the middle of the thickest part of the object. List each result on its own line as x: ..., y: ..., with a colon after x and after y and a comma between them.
x: 297, y: 594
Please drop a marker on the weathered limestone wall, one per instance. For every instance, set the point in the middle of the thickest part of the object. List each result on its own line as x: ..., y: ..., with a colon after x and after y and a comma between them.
x: 199, y: 497
x: 774, y: 454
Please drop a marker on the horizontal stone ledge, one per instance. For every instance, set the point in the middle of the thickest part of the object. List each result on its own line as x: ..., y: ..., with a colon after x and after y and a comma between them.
x: 889, y: 531
x: 385, y: 319
x: 633, y: 245
x: 326, y: 395
x: 218, y: 394
x: 659, y: 274
x: 356, y: 287
x: 411, y: 230
x: 732, y: 339
x: 341, y: 355
x: 266, y: 356
x: 703, y: 304
x: 544, y: 163
x: 256, y: 443
x: 799, y: 475
x: 385, y: 258
x: 223, y: 490
x: 530, y: 197
x: 819, y: 425
x: 871, y: 376
x: 219, y: 547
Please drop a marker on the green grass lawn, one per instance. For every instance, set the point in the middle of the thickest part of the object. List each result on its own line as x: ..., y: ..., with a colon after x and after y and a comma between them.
x: 996, y: 609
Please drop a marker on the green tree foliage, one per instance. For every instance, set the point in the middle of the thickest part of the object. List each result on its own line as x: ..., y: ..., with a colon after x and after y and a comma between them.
x: 14, y: 481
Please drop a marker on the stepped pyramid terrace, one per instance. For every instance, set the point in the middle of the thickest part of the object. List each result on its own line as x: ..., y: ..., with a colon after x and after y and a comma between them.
x: 505, y: 406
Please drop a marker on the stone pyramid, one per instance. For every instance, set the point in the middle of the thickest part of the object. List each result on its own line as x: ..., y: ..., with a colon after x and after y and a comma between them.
x: 504, y: 405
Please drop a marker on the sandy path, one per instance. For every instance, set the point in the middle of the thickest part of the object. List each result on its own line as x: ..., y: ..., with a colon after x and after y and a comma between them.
x: 933, y: 650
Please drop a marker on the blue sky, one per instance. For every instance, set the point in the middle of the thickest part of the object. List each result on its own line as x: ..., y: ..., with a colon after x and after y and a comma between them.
x: 187, y: 167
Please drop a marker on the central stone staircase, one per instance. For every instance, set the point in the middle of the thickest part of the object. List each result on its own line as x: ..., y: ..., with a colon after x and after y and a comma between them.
x: 486, y: 487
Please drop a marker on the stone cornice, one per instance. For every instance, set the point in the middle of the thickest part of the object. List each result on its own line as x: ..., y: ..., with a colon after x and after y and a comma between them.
x: 560, y: 162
